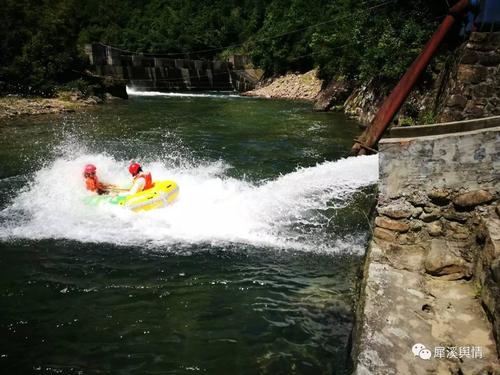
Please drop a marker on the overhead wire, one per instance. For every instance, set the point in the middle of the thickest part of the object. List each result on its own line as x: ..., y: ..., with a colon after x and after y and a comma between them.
x: 197, y: 77
x: 367, y: 10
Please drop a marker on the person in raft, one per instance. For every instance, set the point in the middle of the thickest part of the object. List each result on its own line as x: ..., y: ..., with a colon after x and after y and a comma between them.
x: 92, y: 183
x: 141, y: 180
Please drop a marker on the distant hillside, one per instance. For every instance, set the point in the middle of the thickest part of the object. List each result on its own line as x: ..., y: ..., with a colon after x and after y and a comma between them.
x: 41, y: 40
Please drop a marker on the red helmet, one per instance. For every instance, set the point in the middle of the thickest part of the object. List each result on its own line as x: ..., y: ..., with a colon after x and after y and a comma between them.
x: 134, y: 168
x: 89, y: 168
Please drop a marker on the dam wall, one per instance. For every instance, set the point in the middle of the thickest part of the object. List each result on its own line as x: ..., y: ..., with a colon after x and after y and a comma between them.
x: 160, y: 73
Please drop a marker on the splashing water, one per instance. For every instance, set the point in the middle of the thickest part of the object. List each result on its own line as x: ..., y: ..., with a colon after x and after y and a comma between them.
x: 223, y: 95
x: 212, y: 207
x: 246, y: 260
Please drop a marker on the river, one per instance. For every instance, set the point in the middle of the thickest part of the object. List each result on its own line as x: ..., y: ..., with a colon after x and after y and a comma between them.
x: 253, y: 269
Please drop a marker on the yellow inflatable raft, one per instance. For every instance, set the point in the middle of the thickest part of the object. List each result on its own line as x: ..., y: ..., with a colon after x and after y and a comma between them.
x: 161, y: 194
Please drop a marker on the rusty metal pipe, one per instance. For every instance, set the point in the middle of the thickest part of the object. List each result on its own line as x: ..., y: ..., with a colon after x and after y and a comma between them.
x: 395, y: 100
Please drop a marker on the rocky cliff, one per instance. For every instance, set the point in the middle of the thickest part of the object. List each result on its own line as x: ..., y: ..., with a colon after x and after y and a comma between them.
x: 463, y: 85
x: 474, y: 86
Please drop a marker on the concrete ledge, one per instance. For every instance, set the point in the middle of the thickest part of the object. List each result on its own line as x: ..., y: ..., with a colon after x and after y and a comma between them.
x: 468, y: 160
x: 443, y: 128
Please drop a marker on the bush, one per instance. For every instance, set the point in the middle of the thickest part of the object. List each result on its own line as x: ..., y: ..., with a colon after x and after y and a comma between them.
x: 360, y: 40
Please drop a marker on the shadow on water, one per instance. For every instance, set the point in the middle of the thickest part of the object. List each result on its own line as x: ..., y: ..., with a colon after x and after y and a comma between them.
x: 220, y: 310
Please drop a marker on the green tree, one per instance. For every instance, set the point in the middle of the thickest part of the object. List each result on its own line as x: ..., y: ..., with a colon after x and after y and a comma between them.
x: 358, y: 39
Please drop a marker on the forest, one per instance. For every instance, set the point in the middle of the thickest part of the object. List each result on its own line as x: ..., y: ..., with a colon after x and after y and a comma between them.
x: 42, y: 41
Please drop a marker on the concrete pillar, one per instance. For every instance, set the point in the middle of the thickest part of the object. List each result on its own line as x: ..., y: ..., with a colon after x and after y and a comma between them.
x: 210, y: 77
x: 179, y: 63
x: 137, y: 60
x: 96, y: 53
x: 158, y: 62
x: 113, y: 56
x: 186, y: 77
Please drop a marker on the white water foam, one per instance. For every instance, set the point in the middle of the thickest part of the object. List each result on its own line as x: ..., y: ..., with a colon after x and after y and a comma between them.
x: 134, y: 92
x: 212, y: 208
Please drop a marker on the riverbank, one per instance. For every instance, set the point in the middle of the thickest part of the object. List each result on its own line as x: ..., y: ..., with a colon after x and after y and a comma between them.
x: 291, y: 86
x: 464, y: 84
x: 66, y: 101
x: 12, y: 106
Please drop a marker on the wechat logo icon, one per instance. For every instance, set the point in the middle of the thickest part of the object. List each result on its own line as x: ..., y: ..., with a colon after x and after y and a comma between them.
x: 419, y: 350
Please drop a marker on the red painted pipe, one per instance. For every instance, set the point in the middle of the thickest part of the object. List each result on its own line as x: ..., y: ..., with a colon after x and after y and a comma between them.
x: 395, y: 100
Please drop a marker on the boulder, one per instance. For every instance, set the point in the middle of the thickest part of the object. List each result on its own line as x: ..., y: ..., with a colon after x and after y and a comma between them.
x: 384, y: 234
x: 396, y: 210
x: 418, y: 199
x: 450, y: 114
x: 457, y: 100
x: 92, y: 100
x: 452, y: 215
x: 471, y: 73
x: 109, y: 97
x: 443, y: 260
x: 408, y: 238
x: 417, y: 211
x: 416, y: 225
x: 458, y: 228
x: 76, y: 96
x: 439, y: 196
x: 474, y: 109
x: 336, y: 92
x: 431, y: 216
x: 435, y: 228
x: 472, y: 198
x: 406, y: 257
x: 395, y: 225
x: 460, y: 236
x: 99, y: 86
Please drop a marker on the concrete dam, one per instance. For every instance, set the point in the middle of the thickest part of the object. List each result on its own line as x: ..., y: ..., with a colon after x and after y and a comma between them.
x: 150, y: 72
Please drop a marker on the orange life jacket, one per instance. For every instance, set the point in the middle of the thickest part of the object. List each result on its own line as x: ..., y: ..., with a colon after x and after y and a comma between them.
x: 92, y: 183
x: 147, y: 176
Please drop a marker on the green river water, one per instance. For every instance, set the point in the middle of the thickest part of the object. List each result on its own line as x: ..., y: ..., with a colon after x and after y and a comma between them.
x: 252, y: 271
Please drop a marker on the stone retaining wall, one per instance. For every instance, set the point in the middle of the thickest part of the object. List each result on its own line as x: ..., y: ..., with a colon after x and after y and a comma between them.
x: 474, y: 88
x: 432, y: 269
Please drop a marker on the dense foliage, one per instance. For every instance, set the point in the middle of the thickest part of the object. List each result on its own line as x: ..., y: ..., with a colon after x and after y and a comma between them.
x: 42, y: 40
x: 39, y: 45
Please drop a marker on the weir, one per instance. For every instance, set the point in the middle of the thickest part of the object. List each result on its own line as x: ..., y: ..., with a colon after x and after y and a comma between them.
x: 156, y: 72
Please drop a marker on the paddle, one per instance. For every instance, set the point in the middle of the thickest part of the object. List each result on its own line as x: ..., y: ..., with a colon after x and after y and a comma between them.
x: 116, y: 188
